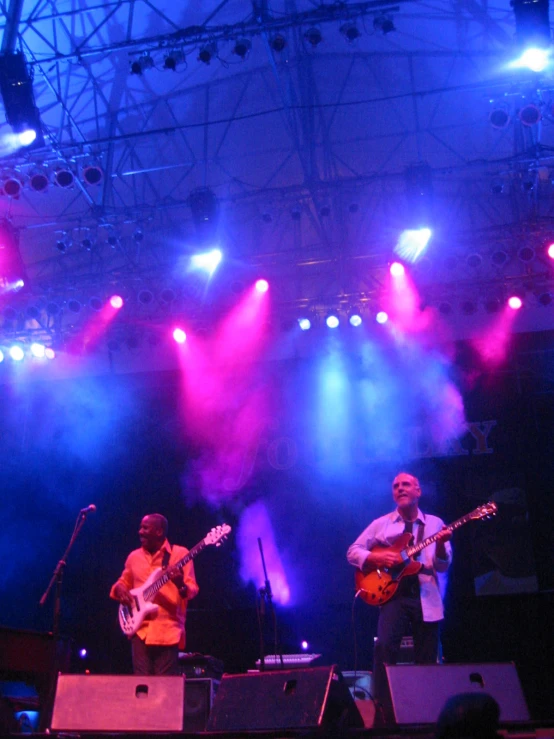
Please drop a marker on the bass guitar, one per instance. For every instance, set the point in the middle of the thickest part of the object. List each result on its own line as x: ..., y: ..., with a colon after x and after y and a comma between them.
x: 131, y: 617
x: 379, y: 586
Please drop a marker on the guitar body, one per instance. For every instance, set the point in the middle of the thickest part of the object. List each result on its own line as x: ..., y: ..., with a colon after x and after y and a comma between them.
x: 130, y: 619
x: 379, y: 586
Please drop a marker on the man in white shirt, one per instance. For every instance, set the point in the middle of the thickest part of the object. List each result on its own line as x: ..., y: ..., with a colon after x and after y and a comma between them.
x: 417, y: 602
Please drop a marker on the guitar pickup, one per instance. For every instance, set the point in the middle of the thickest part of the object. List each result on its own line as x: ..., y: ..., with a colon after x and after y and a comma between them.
x: 404, y: 556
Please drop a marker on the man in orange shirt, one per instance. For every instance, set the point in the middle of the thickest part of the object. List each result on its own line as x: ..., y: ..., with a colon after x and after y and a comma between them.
x: 155, y: 646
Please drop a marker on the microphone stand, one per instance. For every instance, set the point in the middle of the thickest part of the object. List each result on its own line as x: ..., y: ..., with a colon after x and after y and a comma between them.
x: 57, y: 578
x: 266, y: 600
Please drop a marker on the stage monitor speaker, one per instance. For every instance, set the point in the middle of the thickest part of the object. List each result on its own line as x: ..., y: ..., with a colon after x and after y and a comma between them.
x: 418, y: 692
x: 118, y: 703
x: 199, y: 698
x: 284, y: 699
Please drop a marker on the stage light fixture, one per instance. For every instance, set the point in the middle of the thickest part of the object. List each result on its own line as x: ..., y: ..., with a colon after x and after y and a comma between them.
x: 515, y: 302
x: 468, y: 307
x: 64, y: 177
x: 545, y: 299
x: 397, y: 269
x: 16, y: 88
x: 52, y: 309
x: 38, y: 181
x: 355, y: 317
x: 116, y: 301
x: 1, y: 355
x: 534, y: 59
x: 207, y: 261
x: 305, y: 324
x: 242, y: 47
x: 33, y: 312
x: 526, y: 254
x: 74, y: 305
x: 145, y: 297
x: 384, y: 24
x: 92, y: 174
x: 350, y: 31
x: 179, y: 336
x: 16, y: 353
x: 492, y: 305
x: 12, y: 186
x: 313, y: 36
x: 138, y: 235
x: 167, y: 296
x: 262, y: 286
x: 207, y: 52
x: 499, y: 258
x: 499, y: 118
x: 332, y: 320
x: 38, y: 350
x: 278, y: 42
x: 474, y: 261
x: 95, y: 303
x: 382, y: 317
x: 550, y: 251
x: 412, y: 243
x: 529, y: 115
x: 144, y: 61
x: 173, y: 59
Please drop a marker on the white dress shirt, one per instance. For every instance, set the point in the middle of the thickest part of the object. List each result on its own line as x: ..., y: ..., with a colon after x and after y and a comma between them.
x: 384, y: 531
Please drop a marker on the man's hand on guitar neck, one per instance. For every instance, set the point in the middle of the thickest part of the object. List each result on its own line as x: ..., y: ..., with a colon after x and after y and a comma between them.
x: 380, y: 558
x: 443, y: 536
x: 123, y: 595
x: 176, y: 577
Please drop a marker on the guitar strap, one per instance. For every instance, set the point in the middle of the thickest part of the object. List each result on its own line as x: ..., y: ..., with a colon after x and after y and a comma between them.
x: 165, y: 558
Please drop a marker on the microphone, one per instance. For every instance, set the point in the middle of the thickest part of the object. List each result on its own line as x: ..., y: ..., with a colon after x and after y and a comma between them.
x: 89, y: 509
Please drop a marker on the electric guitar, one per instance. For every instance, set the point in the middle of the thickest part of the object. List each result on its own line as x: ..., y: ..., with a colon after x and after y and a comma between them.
x: 378, y: 586
x: 131, y: 617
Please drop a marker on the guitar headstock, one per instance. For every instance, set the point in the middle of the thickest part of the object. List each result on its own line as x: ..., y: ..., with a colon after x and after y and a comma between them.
x: 484, y: 511
x: 218, y: 534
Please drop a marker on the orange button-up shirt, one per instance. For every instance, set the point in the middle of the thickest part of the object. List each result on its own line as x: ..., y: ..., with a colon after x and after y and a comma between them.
x: 168, y: 626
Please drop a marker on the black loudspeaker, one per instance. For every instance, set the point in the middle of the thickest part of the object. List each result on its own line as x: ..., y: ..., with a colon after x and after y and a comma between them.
x: 199, y: 698
x: 284, y: 699
x: 118, y: 703
x: 418, y: 692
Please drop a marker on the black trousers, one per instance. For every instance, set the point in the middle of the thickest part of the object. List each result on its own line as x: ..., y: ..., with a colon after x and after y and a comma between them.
x: 151, y: 659
x: 395, y: 619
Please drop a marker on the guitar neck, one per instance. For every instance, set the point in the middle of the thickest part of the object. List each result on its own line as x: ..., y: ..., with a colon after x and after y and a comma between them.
x: 151, y: 591
x: 430, y: 539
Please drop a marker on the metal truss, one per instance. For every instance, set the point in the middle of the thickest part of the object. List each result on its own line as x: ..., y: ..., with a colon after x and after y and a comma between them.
x: 309, y: 171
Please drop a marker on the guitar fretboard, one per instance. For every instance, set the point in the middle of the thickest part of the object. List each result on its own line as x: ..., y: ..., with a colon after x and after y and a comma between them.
x: 452, y: 526
x: 151, y: 591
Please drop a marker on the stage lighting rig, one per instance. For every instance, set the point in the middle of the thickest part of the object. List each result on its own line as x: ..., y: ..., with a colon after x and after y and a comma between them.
x: 16, y: 87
